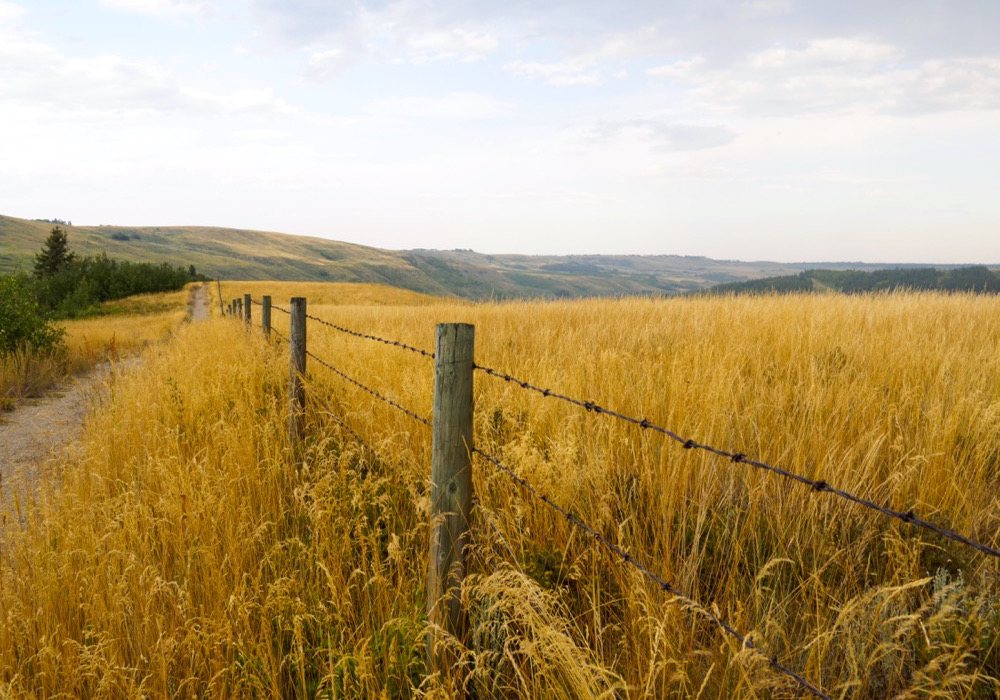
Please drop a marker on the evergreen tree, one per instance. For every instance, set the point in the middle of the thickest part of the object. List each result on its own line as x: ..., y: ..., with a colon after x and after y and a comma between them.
x: 55, y: 256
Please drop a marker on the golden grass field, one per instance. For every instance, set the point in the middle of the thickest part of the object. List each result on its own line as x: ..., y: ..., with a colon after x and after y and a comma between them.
x: 186, y: 554
x: 127, y: 326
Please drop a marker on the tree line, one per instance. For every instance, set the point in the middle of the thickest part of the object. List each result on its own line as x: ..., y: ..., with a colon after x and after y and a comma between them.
x: 977, y: 279
x: 64, y: 285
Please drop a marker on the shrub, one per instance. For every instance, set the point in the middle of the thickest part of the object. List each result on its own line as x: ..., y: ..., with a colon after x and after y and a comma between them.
x: 21, y: 323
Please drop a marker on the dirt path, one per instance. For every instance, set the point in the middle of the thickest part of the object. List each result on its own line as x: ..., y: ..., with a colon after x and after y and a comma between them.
x: 199, y: 303
x: 50, y: 426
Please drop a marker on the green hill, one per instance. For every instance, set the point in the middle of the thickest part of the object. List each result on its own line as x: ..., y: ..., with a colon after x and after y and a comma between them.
x: 261, y: 255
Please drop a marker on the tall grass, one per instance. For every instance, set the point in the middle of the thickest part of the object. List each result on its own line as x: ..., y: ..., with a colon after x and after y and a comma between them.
x: 123, y: 327
x: 189, y: 554
x: 322, y: 293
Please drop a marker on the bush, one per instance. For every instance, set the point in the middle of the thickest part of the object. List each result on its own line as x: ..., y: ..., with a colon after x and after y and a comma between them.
x: 22, y: 324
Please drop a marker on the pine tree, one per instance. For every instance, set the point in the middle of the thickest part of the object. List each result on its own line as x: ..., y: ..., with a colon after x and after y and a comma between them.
x: 55, y: 256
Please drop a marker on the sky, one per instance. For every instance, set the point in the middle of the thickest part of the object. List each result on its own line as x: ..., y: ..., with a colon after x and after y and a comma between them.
x: 787, y: 130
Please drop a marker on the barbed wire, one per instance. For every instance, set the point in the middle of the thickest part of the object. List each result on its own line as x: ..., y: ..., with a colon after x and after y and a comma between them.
x: 273, y: 330
x: 370, y: 390
x: 665, y: 586
x: 816, y: 485
x: 278, y: 308
x: 366, y: 336
x: 357, y: 436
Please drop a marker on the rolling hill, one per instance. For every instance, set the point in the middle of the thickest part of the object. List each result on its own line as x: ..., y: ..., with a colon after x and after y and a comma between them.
x: 260, y: 255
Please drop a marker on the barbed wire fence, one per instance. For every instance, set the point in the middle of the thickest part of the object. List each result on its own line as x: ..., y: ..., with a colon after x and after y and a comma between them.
x: 241, y: 308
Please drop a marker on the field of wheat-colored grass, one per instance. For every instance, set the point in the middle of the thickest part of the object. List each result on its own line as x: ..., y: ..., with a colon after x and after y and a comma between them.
x: 326, y: 294
x: 189, y: 554
x: 123, y: 327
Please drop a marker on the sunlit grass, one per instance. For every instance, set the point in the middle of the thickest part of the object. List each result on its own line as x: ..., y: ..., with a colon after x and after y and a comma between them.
x: 323, y: 293
x: 190, y: 553
x: 122, y: 328
x: 126, y: 325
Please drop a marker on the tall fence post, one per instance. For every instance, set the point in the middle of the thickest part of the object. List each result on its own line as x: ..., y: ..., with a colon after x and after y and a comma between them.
x: 247, y: 305
x: 297, y: 390
x: 451, y: 492
x: 218, y: 284
x: 265, y: 315
x: 238, y: 307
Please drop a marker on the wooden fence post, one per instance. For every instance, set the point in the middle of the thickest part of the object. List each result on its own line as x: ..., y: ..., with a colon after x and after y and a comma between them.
x: 451, y: 491
x: 247, y: 305
x: 218, y: 284
x: 265, y: 316
x: 297, y: 390
x: 238, y: 307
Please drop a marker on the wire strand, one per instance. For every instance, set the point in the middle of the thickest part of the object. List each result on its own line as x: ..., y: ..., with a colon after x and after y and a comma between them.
x: 815, y: 485
x: 280, y: 336
x: 366, y: 336
x: 371, y: 391
x: 665, y: 586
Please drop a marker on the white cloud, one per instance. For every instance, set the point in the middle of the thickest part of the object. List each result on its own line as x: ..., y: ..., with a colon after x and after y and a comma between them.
x: 768, y: 7
x: 572, y: 71
x: 10, y: 13
x: 34, y: 72
x: 952, y: 85
x: 156, y: 7
x: 606, y: 55
x: 844, y: 53
x: 260, y: 134
x: 849, y: 179
x: 664, y: 136
x: 332, y: 62
x: 454, y: 43
x: 455, y: 106
x: 687, y: 70
x: 837, y: 76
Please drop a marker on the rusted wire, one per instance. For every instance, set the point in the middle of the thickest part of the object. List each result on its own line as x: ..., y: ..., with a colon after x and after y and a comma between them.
x: 280, y: 336
x: 815, y: 485
x: 664, y: 585
x: 366, y: 336
x: 343, y: 424
x: 278, y: 308
x: 370, y: 390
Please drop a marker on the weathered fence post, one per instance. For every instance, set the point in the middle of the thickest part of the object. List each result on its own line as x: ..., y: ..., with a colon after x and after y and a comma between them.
x: 229, y: 309
x: 218, y: 284
x: 247, y: 305
x: 451, y: 491
x: 238, y: 307
x: 265, y: 316
x: 297, y: 390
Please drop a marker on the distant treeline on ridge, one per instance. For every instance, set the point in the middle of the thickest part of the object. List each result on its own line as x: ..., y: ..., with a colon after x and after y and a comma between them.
x: 977, y: 279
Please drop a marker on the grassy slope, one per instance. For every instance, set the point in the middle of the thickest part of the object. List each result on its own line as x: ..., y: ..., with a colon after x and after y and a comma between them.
x: 260, y: 255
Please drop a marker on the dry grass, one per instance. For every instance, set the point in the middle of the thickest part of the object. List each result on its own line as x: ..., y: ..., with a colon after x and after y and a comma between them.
x: 186, y: 555
x: 128, y: 326
x: 131, y: 324
x: 325, y: 294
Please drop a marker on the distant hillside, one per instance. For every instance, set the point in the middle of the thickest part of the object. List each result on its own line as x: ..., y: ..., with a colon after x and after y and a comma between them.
x: 260, y: 255
x: 976, y: 278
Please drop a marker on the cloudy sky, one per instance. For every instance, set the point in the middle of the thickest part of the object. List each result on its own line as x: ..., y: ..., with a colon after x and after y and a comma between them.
x: 793, y: 130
